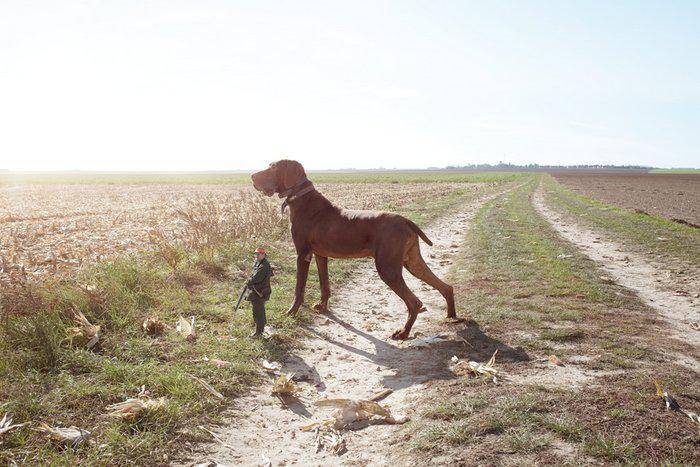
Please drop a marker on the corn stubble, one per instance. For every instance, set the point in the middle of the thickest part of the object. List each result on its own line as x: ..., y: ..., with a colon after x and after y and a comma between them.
x: 57, y: 230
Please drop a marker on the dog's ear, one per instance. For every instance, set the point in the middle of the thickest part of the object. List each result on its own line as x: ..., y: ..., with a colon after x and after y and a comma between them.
x: 289, y: 173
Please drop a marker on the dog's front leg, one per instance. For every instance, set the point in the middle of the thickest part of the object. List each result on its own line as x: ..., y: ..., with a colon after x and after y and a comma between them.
x: 303, y: 261
x: 322, y: 266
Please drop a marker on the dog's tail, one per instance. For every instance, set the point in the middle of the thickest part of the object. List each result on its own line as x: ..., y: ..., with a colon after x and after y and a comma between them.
x: 420, y: 233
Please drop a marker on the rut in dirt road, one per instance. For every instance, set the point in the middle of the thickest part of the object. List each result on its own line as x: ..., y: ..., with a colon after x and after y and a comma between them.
x: 350, y: 355
x: 633, y: 272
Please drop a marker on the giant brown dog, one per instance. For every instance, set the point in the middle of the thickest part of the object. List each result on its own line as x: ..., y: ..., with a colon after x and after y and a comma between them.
x: 324, y: 230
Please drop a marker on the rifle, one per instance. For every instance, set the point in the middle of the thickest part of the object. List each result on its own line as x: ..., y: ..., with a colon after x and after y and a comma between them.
x: 240, y: 297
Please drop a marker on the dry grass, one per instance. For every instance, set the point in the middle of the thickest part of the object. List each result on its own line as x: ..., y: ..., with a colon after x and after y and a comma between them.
x: 208, y: 221
x: 60, y: 229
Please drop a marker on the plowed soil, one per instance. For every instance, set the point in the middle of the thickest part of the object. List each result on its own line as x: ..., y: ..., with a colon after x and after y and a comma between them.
x: 672, y: 196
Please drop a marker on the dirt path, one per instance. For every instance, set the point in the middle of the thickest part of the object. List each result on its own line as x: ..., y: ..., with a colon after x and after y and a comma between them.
x: 651, y: 281
x: 351, y: 355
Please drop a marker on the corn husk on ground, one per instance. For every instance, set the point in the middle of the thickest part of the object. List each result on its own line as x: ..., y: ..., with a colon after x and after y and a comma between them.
x: 349, y: 411
x: 71, y: 436
x: 153, y: 326
x: 85, y: 334
x: 186, y: 328
x: 285, y: 386
x: 485, y: 369
x: 131, y: 409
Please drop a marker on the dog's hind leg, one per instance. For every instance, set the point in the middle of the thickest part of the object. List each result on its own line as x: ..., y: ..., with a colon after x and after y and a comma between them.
x: 415, y: 264
x: 390, y: 271
x: 322, y: 266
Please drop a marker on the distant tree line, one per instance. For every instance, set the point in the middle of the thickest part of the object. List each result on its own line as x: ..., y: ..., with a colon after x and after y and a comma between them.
x: 515, y: 167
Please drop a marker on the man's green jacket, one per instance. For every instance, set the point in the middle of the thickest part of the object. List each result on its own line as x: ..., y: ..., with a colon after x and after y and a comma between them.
x: 259, y: 282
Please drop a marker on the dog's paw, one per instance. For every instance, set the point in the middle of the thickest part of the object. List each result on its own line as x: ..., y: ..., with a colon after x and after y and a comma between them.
x: 321, y: 307
x: 454, y: 320
x: 400, y: 334
x: 293, y: 311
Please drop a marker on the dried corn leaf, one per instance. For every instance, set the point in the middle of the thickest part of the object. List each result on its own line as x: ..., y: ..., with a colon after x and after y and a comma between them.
x: 186, y: 328
x: 284, y: 385
x: 70, y: 436
x: 153, y: 326
x: 492, y: 360
x: 349, y: 411
x: 381, y: 395
x: 208, y: 387
x: 7, y: 426
x: 85, y: 334
x: 131, y: 409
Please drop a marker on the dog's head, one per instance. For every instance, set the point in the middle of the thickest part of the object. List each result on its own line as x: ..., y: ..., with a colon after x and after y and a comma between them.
x: 279, y: 177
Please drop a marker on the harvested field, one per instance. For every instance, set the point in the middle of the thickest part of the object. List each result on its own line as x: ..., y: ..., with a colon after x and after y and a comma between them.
x: 668, y: 195
x: 50, y: 229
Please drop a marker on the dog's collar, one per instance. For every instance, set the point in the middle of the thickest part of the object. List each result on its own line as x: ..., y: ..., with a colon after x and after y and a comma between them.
x: 289, y: 191
x: 290, y: 195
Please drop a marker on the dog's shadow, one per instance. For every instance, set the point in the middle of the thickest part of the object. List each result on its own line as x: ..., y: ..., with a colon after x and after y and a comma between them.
x: 425, y: 363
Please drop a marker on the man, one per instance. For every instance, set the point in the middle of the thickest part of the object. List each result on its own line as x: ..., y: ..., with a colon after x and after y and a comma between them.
x: 259, y: 290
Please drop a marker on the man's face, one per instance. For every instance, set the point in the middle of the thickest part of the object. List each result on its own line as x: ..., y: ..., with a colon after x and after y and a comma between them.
x: 258, y: 256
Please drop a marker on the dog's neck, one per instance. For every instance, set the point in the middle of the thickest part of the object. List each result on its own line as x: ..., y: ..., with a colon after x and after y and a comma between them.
x: 296, y: 191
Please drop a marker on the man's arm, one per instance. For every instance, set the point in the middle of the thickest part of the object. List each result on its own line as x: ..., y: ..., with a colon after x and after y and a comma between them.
x: 260, y: 275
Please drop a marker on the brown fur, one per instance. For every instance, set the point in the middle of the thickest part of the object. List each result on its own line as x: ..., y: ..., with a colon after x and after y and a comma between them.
x: 327, y: 231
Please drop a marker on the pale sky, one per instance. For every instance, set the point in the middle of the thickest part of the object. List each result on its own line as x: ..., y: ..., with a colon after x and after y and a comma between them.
x: 217, y: 85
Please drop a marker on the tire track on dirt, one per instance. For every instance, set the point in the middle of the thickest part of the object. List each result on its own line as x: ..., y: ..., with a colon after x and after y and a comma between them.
x: 633, y: 272
x: 350, y: 355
